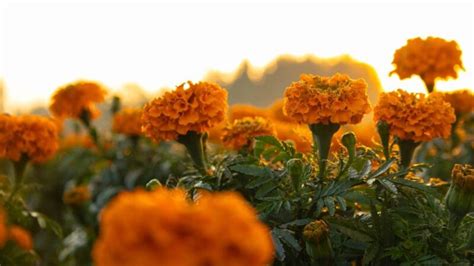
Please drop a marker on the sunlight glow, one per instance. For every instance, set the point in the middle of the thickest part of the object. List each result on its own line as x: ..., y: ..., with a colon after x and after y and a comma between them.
x: 44, y: 46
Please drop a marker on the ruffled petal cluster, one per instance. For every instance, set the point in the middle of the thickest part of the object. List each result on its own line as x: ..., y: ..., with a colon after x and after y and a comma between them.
x: 428, y: 58
x: 128, y: 122
x: 163, y: 228
x: 198, y: 108
x: 463, y: 177
x: 415, y: 116
x: 337, y: 99
x: 462, y: 101
x: 239, y: 111
x: 241, y: 132
x: 30, y: 135
x: 72, y: 100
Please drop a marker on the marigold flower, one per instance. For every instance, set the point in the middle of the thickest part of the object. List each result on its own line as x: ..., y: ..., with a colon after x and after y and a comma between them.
x: 429, y: 58
x: 21, y: 237
x: 239, y: 111
x: 72, y: 100
x: 415, y: 116
x: 198, y: 108
x: 128, y: 122
x: 460, y: 196
x: 77, y: 140
x: 162, y: 228
x: 241, y: 132
x: 77, y: 195
x: 300, y: 135
x: 461, y: 100
x: 276, y: 113
x: 30, y: 135
x: 316, y: 236
x: 323, y: 100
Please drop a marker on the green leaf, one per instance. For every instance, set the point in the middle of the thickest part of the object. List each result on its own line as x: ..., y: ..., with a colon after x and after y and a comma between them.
x: 289, y: 239
x: 45, y: 222
x: 265, y: 189
x: 258, y: 181
x: 382, y: 169
x: 329, y: 202
x: 352, y: 232
x: 365, y: 169
x: 298, y: 222
x: 270, y: 140
x: 342, y: 203
x: 388, y: 185
x: 415, y: 185
x: 370, y: 253
x: 249, y: 169
x: 279, y: 250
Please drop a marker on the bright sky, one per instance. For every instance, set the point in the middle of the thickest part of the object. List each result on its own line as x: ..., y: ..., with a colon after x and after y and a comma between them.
x: 45, y: 45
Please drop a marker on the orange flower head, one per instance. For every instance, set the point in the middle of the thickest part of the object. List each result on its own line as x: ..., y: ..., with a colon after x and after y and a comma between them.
x: 239, y: 111
x: 30, y: 135
x: 241, y: 132
x: 168, y: 230
x: 128, y: 122
x: 300, y: 135
x: 71, y: 100
x: 415, y: 116
x: 199, y: 108
x: 461, y: 100
x: 276, y: 112
x: 337, y: 99
x: 77, y: 195
x: 429, y: 58
x: 21, y: 237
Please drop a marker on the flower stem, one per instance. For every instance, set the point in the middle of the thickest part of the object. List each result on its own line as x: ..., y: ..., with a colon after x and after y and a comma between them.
x: 322, y: 135
x: 384, y: 133
x: 407, y: 149
x: 195, y: 145
x: 429, y: 86
x: 20, y: 167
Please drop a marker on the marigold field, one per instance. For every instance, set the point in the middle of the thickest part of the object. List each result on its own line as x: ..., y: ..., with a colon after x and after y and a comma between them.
x: 321, y: 177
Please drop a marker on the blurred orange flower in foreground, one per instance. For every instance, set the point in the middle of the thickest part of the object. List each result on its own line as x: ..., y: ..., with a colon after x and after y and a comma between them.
x: 429, y: 58
x: 415, y: 116
x: 239, y: 111
x: 323, y: 100
x: 74, y: 99
x: 168, y: 230
x: 240, y: 133
x: 21, y: 237
x: 30, y: 135
x: 128, y: 122
x: 300, y: 135
x: 77, y: 195
x: 199, y: 108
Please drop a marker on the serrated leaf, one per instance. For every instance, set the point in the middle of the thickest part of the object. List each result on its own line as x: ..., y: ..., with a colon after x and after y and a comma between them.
x: 279, y: 250
x: 352, y: 232
x: 45, y: 222
x: 370, y: 254
x: 265, y: 189
x: 289, y: 239
x: 298, y: 222
x: 329, y: 202
x: 365, y: 169
x: 319, y: 206
x: 414, y: 185
x: 270, y: 140
x: 388, y: 185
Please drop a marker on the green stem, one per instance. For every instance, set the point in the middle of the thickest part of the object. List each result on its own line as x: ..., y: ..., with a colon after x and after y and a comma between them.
x: 322, y: 135
x: 384, y: 133
x: 454, y: 137
x: 429, y: 86
x: 20, y: 167
x: 195, y: 145
x: 454, y: 222
x: 407, y: 149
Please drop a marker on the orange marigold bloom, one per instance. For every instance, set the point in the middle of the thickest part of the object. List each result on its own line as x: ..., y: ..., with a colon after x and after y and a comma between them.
x: 77, y: 140
x: 77, y: 195
x: 128, y: 122
x: 239, y: 111
x: 323, y: 100
x: 276, y: 112
x: 71, y: 100
x: 21, y: 237
x: 300, y: 135
x: 241, y: 131
x: 415, y: 116
x: 463, y: 176
x: 3, y: 228
x: 429, y: 58
x: 31, y: 135
x: 199, y: 108
x: 163, y: 228
x: 461, y: 100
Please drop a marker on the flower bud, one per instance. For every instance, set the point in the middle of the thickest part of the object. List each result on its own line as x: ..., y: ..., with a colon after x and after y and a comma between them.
x: 316, y: 236
x: 460, y: 196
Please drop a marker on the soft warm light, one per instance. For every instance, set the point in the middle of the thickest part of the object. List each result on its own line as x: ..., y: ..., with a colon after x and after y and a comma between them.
x: 44, y: 46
